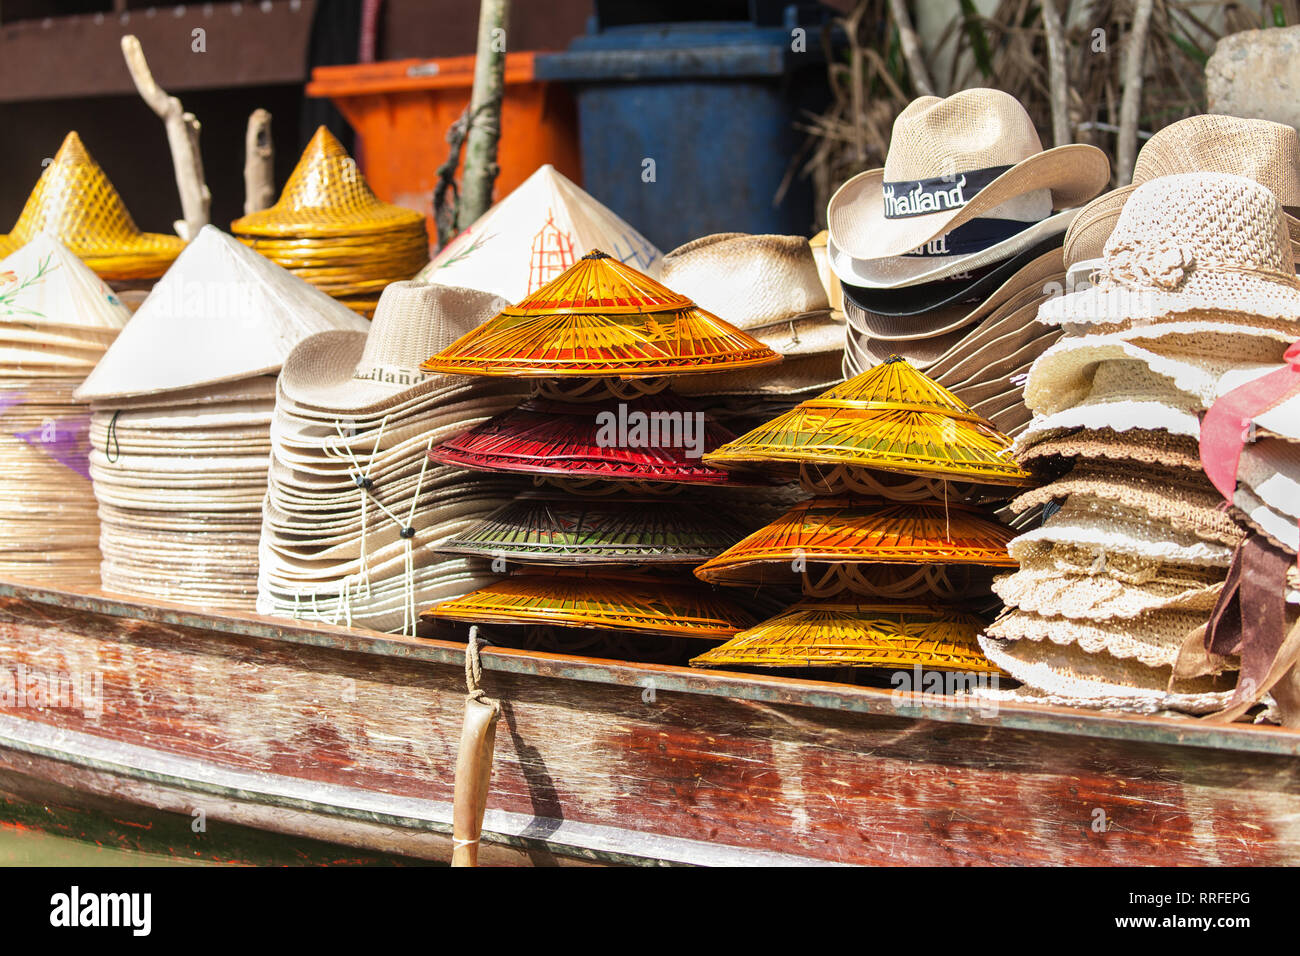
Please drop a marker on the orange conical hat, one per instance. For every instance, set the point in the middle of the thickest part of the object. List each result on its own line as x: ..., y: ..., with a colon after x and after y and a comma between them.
x: 612, y: 600
x: 601, y: 317
x: 326, y: 195
x: 839, y: 633
x: 862, y: 531
x: 892, y: 418
x: 74, y: 200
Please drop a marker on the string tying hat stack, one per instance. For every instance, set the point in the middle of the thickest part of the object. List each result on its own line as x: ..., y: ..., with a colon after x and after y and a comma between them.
x: 56, y: 319
x: 331, y: 230
x: 356, y: 515
x: 600, y: 342
x: 889, y: 553
x: 1196, y: 291
x: 181, y: 419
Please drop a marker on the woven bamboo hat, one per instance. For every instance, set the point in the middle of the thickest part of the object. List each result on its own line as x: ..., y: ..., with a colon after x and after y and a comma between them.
x: 891, y: 418
x: 602, y: 318
x: 1192, y: 243
x: 74, y: 200
x: 972, y: 156
x: 832, y: 530
x: 326, y: 195
x: 533, y: 235
x: 638, y: 603
x: 380, y: 368
x: 846, y: 634
x: 221, y: 314
x: 581, y: 441
x: 47, y: 290
x: 545, y: 528
x: 1266, y: 152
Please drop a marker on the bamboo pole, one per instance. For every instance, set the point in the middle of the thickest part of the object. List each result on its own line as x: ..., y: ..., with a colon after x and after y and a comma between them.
x: 484, y: 131
x: 259, y: 163
x: 182, y: 139
x: 1130, y: 104
x: 1057, y: 73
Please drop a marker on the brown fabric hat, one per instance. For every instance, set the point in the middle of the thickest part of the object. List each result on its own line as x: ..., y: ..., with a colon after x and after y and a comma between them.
x: 1257, y: 149
x: 1152, y: 638
x: 1144, y: 445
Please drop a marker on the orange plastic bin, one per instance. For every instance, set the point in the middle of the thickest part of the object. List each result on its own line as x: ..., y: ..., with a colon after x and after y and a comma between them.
x: 401, y: 111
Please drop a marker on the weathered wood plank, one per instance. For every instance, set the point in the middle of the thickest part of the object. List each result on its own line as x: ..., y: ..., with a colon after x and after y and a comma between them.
x: 825, y: 773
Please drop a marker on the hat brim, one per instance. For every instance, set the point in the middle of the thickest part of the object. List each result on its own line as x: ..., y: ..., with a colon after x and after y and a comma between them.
x: 995, y: 283
x: 856, y: 221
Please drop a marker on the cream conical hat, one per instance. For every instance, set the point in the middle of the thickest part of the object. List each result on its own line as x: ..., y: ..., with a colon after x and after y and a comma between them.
x: 533, y: 235
x: 221, y: 313
x: 45, y: 284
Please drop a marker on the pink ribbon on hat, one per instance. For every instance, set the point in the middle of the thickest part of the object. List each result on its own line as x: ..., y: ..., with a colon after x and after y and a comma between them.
x: 1226, y: 426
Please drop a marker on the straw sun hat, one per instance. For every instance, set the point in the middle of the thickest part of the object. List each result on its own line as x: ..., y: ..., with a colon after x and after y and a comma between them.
x: 1266, y: 152
x: 971, y: 160
x: 1205, y: 243
x: 74, y: 200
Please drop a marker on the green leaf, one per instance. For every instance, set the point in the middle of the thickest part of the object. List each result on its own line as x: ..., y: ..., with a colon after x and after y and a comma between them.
x: 979, y: 41
x: 1190, y: 50
x: 1279, y: 15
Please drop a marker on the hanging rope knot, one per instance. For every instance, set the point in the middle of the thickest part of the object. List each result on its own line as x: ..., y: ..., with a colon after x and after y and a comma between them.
x: 407, y: 532
x: 1163, y: 267
x: 363, y: 482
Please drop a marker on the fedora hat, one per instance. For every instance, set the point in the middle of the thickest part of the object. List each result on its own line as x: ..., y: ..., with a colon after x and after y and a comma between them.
x: 75, y: 200
x: 533, y: 235
x: 972, y: 158
x: 1196, y: 242
x: 750, y: 281
x: 1266, y: 152
x: 412, y: 322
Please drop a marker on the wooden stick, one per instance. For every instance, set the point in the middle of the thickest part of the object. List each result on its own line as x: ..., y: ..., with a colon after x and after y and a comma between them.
x: 1057, y: 73
x: 1130, y: 104
x: 911, y: 48
x: 259, y: 163
x: 182, y: 139
x: 484, y: 113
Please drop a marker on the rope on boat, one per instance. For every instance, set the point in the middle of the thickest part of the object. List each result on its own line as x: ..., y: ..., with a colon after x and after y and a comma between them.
x: 473, y: 760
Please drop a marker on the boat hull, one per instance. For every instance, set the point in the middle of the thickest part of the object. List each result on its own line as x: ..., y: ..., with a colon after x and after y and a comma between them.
x: 349, y: 737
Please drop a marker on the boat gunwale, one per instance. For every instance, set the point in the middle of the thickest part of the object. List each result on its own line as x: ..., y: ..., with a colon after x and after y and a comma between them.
x: 760, y: 688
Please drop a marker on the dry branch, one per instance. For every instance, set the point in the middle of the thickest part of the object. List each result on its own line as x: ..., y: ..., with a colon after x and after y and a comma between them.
x: 259, y: 163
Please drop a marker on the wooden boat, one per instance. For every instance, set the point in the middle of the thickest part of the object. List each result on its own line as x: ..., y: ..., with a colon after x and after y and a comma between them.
x: 349, y: 737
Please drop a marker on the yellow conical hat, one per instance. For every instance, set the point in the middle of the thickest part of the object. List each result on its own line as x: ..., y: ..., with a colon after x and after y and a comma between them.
x: 326, y: 195
x: 891, y: 418
x: 842, y: 633
x: 74, y: 200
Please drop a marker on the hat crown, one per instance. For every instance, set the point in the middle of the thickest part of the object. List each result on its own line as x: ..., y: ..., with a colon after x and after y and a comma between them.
x: 415, y: 320
x: 970, y: 130
x: 1204, y: 221
x: 1267, y: 152
x: 750, y: 281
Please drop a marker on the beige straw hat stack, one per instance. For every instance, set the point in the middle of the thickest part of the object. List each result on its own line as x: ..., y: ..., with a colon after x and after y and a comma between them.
x: 945, y: 254
x: 1196, y: 292
x: 181, y: 418
x: 56, y: 319
x: 355, y: 512
x: 770, y: 287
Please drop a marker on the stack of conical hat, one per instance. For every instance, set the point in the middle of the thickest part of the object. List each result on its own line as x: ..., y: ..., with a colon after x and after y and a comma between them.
x: 533, y: 235
x: 889, y: 555
x: 330, y: 229
x: 613, y: 561
x: 356, y: 517
x: 56, y: 319
x: 181, y: 422
x: 74, y: 200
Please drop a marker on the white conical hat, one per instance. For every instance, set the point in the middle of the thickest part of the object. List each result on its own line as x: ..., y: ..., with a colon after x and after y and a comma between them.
x: 533, y: 235
x: 45, y: 284
x: 221, y: 313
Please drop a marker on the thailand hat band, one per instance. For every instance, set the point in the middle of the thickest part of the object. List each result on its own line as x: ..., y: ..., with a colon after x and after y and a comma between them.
x: 964, y: 173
